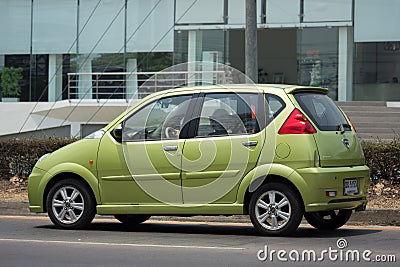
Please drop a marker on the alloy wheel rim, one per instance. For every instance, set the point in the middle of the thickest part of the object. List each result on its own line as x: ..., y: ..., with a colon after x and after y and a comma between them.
x: 68, y: 204
x: 273, y: 210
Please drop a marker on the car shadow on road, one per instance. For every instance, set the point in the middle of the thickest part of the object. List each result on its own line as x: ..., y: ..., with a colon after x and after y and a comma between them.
x: 211, y: 229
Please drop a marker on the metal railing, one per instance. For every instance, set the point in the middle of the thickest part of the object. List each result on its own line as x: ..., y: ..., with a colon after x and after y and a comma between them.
x: 127, y: 85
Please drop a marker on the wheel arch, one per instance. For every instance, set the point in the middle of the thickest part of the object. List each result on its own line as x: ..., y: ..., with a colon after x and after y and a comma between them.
x: 65, y: 172
x: 266, y: 174
x: 270, y: 179
x: 63, y: 176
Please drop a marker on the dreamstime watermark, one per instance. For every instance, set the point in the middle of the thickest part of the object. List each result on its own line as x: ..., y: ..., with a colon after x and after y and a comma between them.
x: 334, y: 254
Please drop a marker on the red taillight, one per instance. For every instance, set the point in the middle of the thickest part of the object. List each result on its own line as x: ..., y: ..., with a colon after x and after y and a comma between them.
x: 297, y: 123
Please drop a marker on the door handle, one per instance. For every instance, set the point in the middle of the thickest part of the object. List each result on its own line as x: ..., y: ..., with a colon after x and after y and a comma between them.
x: 170, y: 148
x: 249, y: 143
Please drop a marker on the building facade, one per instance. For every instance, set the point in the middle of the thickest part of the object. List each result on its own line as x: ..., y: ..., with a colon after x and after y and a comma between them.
x: 351, y: 47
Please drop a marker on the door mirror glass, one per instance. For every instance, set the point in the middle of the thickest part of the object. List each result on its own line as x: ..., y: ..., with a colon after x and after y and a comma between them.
x: 117, y: 133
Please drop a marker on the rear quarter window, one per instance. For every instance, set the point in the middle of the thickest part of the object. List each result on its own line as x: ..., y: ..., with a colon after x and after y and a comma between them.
x: 322, y: 111
x: 274, y: 106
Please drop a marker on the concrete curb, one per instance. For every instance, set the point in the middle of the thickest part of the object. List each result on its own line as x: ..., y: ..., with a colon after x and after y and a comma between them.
x: 14, y: 207
x: 370, y: 216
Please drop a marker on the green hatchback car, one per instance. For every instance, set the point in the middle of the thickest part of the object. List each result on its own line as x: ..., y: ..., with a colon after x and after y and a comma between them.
x: 274, y: 152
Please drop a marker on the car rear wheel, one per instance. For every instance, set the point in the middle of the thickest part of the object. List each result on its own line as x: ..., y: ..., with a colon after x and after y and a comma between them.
x: 132, y: 218
x: 328, y: 220
x: 275, y: 209
x: 70, y: 204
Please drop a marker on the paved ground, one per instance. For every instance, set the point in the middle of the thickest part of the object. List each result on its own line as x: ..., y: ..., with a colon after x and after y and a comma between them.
x: 33, y: 241
x: 388, y: 217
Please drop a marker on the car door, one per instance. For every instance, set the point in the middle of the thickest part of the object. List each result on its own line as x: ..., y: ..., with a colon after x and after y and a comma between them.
x: 151, y: 149
x: 226, y: 144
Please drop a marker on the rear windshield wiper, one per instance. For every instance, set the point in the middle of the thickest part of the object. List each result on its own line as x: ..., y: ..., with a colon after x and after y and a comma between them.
x: 343, y: 126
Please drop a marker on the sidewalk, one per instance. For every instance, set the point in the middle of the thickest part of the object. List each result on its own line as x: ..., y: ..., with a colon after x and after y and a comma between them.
x: 370, y: 216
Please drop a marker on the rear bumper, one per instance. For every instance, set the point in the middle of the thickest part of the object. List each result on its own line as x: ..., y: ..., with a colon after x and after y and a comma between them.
x: 317, y: 181
x: 354, y: 203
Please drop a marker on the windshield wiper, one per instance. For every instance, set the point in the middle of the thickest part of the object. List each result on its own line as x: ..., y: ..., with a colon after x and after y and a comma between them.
x: 343, y: 126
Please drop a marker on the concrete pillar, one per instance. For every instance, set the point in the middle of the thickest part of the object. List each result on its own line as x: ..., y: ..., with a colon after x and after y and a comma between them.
x: 131, y: 79
x: 84, y: 81
x: 76, y: 129
x: 2, y: 57
x: 345, y: 64
x: 55, y: 87
x: 195, y: 41
x: 211, y: 58
x: 251, y: 60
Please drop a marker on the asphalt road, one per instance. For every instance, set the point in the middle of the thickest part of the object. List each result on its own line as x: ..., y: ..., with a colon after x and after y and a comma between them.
x: 33, y: 241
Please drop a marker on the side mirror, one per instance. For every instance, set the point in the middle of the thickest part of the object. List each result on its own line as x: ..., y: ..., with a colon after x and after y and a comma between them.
x: 117, y: 134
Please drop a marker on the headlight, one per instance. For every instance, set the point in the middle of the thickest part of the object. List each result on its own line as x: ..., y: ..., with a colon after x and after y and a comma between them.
x: 96, y: 135
x: 42, y: 158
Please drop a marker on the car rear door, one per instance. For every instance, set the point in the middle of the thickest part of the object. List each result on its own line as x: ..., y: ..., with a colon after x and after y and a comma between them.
x: 226, y: 144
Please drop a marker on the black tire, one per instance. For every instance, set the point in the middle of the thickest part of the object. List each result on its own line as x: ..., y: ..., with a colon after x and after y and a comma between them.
x: 328, y: 220
x: 59, y: 201
x: 292, y: 211
x: 132, y: 218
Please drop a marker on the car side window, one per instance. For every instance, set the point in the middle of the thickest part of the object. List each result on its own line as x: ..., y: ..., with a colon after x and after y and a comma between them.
x: 226, y: 114
x: 161, y: 119
x: 274, y: 106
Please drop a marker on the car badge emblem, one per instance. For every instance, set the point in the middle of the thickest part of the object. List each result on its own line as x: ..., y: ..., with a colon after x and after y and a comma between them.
x: 346, y: 143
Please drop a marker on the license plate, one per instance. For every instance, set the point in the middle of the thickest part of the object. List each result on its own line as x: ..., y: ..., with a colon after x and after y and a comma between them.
x: 350, y: 187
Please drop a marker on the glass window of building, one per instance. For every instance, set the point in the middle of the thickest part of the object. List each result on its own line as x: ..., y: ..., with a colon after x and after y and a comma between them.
x: 318, y: 58
x: 377, y: 71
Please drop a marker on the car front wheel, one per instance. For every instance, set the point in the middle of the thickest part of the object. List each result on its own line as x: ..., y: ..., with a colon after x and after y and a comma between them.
x: 275, y: 209
x: 70, y: 204
x: 328, y: 220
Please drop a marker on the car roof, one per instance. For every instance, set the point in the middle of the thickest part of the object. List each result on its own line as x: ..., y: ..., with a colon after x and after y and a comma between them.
x: 266, y: 88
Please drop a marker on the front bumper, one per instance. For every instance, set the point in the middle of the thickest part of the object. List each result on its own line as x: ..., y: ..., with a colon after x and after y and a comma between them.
x: 35, y: 195
x: 317, y: 181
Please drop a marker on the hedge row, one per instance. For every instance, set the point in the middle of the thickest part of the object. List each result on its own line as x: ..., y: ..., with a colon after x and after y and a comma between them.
x: 383, y: 159
x: 17, y: 157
